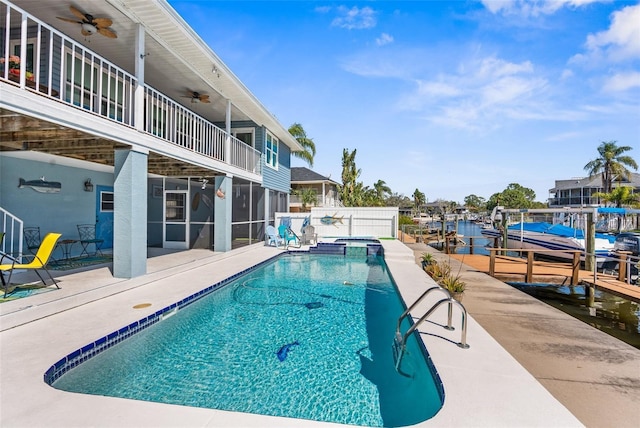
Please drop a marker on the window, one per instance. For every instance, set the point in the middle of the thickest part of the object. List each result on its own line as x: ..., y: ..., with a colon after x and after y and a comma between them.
x: 28, y: 60
x: 246, y: 135
x: 106, y: 201
x: 271, y: 152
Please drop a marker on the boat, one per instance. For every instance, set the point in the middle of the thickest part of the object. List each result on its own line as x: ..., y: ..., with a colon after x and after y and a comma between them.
x: 546, y: 236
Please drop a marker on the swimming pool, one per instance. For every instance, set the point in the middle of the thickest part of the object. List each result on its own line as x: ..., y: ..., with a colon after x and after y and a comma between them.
x: 302, y: 336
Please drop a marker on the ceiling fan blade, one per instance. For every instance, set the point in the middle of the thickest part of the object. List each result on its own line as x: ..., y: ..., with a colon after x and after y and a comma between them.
x: 204, y: 98
x: 107, y: 33
x: 77, y: 13
x: 102, y: 22
x: 75, y: 21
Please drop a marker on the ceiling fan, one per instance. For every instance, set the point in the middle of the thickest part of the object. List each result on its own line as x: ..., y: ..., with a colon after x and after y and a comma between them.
x: 197, y: 97
x: 90, y: 25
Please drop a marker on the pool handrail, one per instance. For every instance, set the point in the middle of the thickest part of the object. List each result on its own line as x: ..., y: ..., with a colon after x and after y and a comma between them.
x: 399, y: 341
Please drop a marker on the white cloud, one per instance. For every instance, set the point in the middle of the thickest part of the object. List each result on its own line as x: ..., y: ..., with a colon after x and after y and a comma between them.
x: 567, y: 74
x: 482, y: 94
x: 355, y: 18
x: 622, y: 81
x: 384, y: 39
x: 528, y: 8
x: 621, y: 41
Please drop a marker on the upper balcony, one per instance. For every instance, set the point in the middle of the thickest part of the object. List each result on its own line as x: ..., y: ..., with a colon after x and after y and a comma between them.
x: 139, y: 75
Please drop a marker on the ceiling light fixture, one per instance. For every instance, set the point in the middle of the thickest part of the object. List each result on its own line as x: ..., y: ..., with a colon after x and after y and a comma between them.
x: 91, y: 29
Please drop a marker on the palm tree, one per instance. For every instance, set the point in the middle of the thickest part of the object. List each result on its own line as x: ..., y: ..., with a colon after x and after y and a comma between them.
x: 620, y: 196
x: 382, y: 190
x: 612, y: 163
x: 308, y: 196
x: 418, y: 200
x: 307, y: 144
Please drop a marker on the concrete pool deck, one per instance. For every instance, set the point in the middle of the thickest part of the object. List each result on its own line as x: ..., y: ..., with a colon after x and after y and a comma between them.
x: 484, y: 385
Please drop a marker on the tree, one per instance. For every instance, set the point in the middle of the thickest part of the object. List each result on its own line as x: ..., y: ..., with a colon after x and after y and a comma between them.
x: 382, y: 190
x: 621, y: 196
x: 475, y: 203
x: 611, y: 164
x: 514, y: 196
x: 351, y: 191
x: 398, y: 200
x: 309, y: 147
x: 418, y: 200
x: 308, y: 196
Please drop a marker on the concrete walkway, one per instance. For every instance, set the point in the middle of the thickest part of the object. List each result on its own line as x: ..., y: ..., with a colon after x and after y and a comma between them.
x: 596, y: 376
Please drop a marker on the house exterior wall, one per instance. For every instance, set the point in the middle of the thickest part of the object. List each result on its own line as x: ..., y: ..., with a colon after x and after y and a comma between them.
x: 329, y: 199
x: 280, y: 179
x: 81, y: 90
x: 51, y: 212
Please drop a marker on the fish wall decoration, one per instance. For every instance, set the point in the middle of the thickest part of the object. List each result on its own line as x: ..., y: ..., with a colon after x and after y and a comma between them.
x: 331, y: 219
x: 41, y: 185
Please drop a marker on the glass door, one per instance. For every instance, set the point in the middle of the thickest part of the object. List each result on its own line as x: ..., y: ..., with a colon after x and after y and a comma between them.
x: 176, y: 220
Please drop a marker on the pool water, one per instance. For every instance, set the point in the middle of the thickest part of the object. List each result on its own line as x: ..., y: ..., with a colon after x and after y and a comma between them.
x: 304, y: 336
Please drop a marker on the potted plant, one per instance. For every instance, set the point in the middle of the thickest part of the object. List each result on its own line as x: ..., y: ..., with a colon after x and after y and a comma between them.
x: 427, y: 259
x: 455, y: 285
x: 438, y: 271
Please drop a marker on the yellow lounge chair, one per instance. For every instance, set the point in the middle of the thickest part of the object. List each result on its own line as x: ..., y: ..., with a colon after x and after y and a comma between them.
x: 39, y: 261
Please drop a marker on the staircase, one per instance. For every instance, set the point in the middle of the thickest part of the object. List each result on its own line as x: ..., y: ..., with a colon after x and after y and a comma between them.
x: 11, y: 245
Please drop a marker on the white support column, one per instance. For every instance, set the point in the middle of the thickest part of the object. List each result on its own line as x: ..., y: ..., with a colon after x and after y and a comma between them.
x: 227, y: 123
x: 130, y: 214
x: 324, y: 195
x: 222, y: 213
x: 140, y: 55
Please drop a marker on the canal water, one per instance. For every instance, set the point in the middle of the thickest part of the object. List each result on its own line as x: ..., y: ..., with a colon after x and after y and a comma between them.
x: 605, y: 311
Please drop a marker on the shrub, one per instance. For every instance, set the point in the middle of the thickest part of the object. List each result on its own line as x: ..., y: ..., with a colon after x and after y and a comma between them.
x: 453, y: 283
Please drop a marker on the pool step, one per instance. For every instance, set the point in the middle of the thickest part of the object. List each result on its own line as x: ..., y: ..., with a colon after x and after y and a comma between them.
x: 342, y: 249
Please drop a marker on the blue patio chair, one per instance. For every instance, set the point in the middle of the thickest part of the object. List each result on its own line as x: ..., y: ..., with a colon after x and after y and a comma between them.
x: 287, y: 236
x: 286, y: 221
x: 273, y: 239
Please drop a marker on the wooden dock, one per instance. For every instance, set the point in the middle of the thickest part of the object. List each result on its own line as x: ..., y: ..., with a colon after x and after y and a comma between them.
x: 515, y: 269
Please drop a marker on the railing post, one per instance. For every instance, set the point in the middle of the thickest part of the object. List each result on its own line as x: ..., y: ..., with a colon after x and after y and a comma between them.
x: 492, y: 262
x: 471, y: 245
x: 529, y: 278
x: 622, y: 268
x: 576, y: 268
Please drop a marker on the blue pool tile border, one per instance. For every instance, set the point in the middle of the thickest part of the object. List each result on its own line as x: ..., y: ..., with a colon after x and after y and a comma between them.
x: 94, y: 348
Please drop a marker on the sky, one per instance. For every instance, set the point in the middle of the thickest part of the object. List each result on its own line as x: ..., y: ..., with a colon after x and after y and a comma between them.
x: 453, y: 98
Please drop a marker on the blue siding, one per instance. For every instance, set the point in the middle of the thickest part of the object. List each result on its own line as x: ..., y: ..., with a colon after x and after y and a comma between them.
x: 279, y: 180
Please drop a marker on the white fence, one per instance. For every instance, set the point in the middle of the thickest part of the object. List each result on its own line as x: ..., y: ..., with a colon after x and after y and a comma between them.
x: 379, y: 222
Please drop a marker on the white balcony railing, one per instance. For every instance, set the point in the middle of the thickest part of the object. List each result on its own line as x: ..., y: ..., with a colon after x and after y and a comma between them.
x: 38, y: 58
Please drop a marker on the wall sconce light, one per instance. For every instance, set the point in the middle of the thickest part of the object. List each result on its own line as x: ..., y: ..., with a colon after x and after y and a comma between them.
x: 88, y: 185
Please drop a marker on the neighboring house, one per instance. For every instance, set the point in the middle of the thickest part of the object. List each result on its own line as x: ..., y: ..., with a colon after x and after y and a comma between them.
x: 140, y: 127
x: 579, y: 192
x: 325, y: 188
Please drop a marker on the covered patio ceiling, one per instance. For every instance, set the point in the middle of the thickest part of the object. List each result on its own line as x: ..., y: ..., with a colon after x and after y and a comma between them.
x: 23, y: 133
